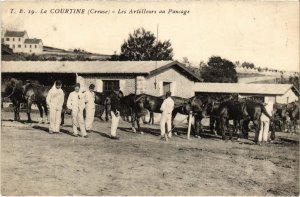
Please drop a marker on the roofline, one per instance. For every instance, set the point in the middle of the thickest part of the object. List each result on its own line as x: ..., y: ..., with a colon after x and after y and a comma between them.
x: 296, y: 89
x: 25, y: 32
x: 172, y: 64
x: 241, y: 93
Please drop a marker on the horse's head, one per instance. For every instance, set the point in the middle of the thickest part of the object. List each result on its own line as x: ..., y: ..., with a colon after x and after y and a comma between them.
x: 11, y: 87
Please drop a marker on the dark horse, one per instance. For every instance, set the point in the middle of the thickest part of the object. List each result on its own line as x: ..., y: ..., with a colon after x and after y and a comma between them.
x: 293, y: 111
x: 196, y: 105
x: 37, y: 94
x: 13, y: 89
x: 104, y: 99
x: 139, y: 104
x: 243, y: 112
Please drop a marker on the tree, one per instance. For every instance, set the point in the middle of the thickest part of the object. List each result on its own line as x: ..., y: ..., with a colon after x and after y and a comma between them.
x: 219, y: 70
x: 142, y: 45
x: 247, y: 65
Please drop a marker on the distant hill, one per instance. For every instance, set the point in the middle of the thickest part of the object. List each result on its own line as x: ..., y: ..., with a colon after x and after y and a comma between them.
x: 54, y: 54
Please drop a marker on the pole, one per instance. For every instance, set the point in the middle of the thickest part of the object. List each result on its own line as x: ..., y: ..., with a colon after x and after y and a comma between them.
x: 155, y: 82
x: 189, y: 126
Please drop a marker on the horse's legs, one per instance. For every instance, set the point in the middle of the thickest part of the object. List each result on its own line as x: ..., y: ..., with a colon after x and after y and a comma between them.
x: 138, y: 124
x: 273, y: 128
x: 62, y: 115
x: 151, y: 120
x: 44, y: 104
x: 223, y: 125
x: 198, y: 127
x: 106, y: 112
x: 257, y: 126
x: 174, y: 113
x: 29, y: 103
x: 15, y: 103
x: 212, y: 121
x: 39, y: 105
x: 245, y: 128
x: 133, y: 120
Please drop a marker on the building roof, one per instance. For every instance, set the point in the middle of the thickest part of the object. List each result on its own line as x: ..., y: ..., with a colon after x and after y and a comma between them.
x: 14, y: 33
x: 240, y: 88
x: 32, y: 41
x: 96, y: 67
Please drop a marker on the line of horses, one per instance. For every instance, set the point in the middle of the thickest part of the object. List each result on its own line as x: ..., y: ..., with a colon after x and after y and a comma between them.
x: 220, y: 109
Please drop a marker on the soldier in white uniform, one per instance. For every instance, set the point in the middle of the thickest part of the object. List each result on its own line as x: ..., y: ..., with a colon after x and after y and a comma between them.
x: 76, y: 104
x: 89, y: 97
x: 166, y: 117
x: 265, y: 124
x: 55, y: 101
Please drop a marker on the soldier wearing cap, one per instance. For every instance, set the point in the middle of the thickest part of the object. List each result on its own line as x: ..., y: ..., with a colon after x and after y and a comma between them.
x: 76, y: 104
x: 166, y: 116
x: 89, y: 97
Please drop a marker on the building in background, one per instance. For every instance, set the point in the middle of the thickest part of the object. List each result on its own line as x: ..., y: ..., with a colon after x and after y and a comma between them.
x: 19, y: 42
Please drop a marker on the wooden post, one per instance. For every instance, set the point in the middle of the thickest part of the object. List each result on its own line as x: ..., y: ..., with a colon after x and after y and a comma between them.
x: 189, y: 126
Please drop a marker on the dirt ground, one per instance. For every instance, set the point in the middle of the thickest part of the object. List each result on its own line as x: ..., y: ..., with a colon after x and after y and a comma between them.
x: 34, y: 162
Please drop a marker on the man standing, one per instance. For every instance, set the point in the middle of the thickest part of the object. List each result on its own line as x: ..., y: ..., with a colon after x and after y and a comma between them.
x: 89, y: 97
x: 166, y: 117
x: 265, y: 124
x: 76, y: 104
x: 55, y: 101
x: 115, y: 115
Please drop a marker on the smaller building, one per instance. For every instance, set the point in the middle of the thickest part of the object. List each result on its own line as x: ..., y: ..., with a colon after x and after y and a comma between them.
x: 19, y: 42
x: 277, y: 93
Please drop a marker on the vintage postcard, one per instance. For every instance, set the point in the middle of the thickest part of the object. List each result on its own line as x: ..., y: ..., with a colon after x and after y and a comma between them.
x: 150, y: 98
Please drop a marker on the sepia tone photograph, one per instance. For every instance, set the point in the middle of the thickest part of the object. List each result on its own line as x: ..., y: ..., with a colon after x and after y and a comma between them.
x: 150, y: 98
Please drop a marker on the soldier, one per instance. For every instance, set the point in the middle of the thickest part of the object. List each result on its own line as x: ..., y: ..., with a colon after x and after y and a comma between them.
x: 89, y: 97
x: 76, y: 104
x: 55, y: 101
x: 166, y: 117
x: 264, y: 124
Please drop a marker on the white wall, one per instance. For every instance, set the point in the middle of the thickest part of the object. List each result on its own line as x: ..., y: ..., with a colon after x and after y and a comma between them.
x: 290, y: 94
x: 180, y: 85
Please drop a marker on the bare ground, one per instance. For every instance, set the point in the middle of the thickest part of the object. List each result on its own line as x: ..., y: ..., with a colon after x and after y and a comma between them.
x: 36, y: 163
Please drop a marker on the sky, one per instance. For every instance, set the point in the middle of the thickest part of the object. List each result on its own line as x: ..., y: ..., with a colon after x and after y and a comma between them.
x: 265, y: 33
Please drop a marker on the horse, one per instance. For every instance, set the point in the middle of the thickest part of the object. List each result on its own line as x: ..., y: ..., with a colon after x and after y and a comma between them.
x: 293, y: 111
x: 13, y: 89
x: 197, y: 105
x: 243, y: 112
x: 36, y: 93
x: 102, y: 98
x: 279, y: 111
x: 140, y: 104
x: 213, y: 111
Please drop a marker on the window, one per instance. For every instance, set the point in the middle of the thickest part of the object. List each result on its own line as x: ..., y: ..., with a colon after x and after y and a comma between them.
x: 25, y: 45
x: 13, y: 46
x: 110, y: 85
x: 166, y: 87
x: 19, y: 46
x: 34, y: 46
x: 13, y: 39
x: 30, y: 46
x: 7, y: 39
x: 19, y: 39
